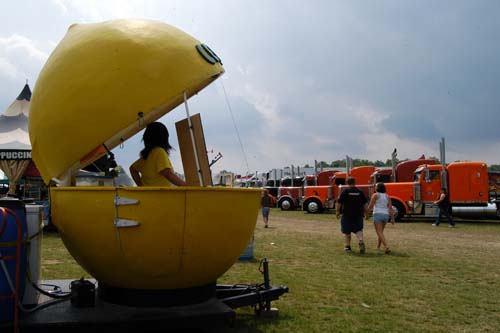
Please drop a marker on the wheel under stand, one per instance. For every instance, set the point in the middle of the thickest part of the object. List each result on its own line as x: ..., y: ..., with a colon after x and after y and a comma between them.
x: 84, y: 310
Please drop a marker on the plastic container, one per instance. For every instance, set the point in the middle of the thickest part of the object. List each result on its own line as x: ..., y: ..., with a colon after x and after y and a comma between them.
x: 248, y: 252
x: 93, y: 180
x: 82, y: 293
x: 8, y: 243
x: 34, y: 223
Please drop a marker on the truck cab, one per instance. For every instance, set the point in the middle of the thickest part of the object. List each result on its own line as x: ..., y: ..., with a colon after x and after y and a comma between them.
x: 290, y: 191
x: 404, y: 171
x: 321, y: 197
x: 381, y: 175
x: 272, y: 185
x: 467, y: 184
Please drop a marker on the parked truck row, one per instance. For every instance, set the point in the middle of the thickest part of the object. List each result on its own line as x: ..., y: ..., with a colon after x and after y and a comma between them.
x: 412, y: 185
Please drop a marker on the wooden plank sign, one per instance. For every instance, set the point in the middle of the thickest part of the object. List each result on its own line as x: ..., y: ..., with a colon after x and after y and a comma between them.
x: 188, y: 152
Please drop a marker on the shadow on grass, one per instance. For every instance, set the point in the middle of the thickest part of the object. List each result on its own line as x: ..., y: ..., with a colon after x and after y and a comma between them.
x: 458, y: 220
x: 379, y: 254
x: 253, y: 323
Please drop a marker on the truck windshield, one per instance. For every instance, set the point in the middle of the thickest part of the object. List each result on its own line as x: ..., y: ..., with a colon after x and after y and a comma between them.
x: 434, y: 175
x: 339, y: 181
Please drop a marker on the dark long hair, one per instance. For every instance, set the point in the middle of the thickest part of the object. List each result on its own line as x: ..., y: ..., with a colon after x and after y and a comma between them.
x: 155, y: 135
x: 380, y: 187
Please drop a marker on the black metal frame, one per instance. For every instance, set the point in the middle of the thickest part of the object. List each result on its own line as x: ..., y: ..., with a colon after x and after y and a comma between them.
x: 259, y: 296
x: 59, y: 315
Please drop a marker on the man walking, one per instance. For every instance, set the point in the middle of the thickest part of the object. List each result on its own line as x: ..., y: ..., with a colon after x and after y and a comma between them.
x: 444, y: 207
x: 353, y: 202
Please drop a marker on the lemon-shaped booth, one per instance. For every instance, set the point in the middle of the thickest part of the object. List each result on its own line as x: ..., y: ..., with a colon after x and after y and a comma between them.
x: 102, y: 84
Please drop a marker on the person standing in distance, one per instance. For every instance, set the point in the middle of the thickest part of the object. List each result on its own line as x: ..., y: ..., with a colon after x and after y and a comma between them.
x: 266, y: 203
x: 444, y: 207
x: 153, y: 168
x: 353, y: 202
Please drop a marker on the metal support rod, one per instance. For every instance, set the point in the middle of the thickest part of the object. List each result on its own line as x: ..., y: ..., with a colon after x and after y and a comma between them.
x: 267, y: 285
x: 200, y: 177
x: 347, y: 166
x: 393, y: 164
x: 442, y: 150
x: 315, y: 172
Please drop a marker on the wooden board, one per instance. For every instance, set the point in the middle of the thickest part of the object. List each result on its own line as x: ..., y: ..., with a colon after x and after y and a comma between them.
x: 188, y: 153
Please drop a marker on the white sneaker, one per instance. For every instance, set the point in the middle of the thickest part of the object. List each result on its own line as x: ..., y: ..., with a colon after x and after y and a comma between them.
x: 435, y: 225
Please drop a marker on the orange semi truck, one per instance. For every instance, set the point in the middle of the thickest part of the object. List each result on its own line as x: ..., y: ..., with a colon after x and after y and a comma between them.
x: 290, y: 192
x: 322, y: 196
x: 403, y: 171
x: 467, y: 184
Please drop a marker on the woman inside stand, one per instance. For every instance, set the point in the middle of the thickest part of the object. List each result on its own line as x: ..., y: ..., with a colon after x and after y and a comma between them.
x: 153, y: 168
x: 382, y: 213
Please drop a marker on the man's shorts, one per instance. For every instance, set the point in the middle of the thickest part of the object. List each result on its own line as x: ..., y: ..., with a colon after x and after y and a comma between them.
x: 265, y: 212
x: 348, y: 225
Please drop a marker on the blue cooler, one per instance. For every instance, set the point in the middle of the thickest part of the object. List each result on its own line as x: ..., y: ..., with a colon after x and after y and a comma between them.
x: 248, y: 252
x: 8, y: 241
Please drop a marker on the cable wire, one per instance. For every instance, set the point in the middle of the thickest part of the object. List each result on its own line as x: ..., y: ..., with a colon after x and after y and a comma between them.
x: 235, y: 127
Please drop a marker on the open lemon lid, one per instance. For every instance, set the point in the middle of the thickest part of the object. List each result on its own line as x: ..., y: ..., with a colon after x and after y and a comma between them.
x: 105, y: 82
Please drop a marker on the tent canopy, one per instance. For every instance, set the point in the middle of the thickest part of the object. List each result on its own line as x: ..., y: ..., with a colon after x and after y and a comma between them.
x: 21, y: 105
x: 15, y: 146
x: 14, y: 137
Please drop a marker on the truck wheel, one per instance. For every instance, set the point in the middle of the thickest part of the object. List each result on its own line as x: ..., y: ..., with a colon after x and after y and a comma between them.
x: 314, y: 206
x: 399, y: 210
x: 286, y: 204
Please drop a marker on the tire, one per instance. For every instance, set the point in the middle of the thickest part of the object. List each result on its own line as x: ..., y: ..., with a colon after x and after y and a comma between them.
x: 286, y: 204
x: 314, y: 206
x: 399, y: 209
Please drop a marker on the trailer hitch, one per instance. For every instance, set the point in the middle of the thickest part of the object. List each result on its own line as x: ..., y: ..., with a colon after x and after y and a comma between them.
x: 258, y: 296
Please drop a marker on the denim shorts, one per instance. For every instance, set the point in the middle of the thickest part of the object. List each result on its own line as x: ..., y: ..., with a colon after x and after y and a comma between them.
x: 265, y: 212
x: 380, y: 218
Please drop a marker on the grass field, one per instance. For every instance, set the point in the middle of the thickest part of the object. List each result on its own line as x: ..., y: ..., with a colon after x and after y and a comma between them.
x: 435, y: 280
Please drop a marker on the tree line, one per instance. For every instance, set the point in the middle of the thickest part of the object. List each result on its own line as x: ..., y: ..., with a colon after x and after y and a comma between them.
x: 360, y: 162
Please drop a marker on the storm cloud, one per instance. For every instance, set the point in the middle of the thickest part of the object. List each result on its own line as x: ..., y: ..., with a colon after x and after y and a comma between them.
x: 309, y: 80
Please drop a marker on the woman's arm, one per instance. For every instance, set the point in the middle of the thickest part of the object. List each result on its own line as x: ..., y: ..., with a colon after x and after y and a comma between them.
x: 172, y: 177
x: 391, y: 211
x: 372, y: 202
x: 135, y: 176
x: 389, y: 205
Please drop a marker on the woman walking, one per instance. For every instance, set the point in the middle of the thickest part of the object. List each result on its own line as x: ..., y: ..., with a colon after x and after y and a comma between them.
x: 382, y: 213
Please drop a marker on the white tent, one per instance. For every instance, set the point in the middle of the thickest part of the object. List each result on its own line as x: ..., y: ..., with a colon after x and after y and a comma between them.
x: 15, y: 146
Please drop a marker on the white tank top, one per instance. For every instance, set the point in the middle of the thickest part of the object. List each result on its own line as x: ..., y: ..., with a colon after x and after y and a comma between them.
x: 381, y: 204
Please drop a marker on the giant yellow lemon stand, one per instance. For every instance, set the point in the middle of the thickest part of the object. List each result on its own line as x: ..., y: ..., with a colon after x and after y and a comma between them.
x: 102, y: 84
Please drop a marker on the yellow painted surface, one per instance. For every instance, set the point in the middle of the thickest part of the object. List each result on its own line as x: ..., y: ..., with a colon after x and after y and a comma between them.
x: 102, y: 84
x: 187, y: 236
x: 98, y: 82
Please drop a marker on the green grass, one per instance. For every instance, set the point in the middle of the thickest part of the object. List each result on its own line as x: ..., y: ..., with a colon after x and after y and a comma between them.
x: 435, y: 280
x: 57, y: 263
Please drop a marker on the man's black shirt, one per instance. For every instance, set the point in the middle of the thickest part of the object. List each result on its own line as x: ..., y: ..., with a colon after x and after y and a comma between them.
x: 353, y: 201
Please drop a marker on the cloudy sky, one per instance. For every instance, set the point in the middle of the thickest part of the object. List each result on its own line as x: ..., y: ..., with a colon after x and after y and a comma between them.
x: 307, y: 80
